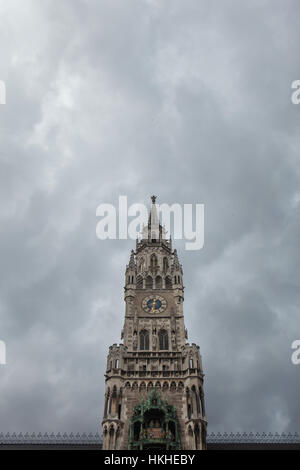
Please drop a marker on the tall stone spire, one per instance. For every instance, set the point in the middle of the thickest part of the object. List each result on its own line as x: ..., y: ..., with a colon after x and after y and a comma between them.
x: 153, y: 222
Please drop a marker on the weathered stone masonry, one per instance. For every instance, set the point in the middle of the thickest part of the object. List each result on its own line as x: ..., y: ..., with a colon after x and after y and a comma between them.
x: 155, y: 353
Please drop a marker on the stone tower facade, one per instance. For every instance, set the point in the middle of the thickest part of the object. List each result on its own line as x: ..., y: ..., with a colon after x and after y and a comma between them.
x: 154, y: 394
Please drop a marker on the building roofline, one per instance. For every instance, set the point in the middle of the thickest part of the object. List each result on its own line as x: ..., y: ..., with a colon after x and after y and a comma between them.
x: 95, y: 438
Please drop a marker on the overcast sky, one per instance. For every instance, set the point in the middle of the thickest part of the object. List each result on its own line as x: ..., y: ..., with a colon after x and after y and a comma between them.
x: 187, y: 100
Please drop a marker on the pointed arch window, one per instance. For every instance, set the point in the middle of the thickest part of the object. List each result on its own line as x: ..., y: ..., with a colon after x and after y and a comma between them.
x: 139, y: 282
x: 153, y: 263
x: 141, y: 265
x: 165, y: 265
x: 149, y: 282
x: 163, y: 340
x: 168, y: 282
x: 158, y: 282
x: 144, y: 340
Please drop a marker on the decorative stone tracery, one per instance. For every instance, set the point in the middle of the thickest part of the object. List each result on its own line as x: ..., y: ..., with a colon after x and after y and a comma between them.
x: 154, y: 357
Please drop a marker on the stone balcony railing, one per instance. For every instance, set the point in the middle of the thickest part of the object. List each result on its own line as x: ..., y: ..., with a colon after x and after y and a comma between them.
x: 154, y: 373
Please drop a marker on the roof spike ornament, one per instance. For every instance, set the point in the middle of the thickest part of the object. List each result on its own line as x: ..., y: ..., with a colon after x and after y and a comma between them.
x: 131, y: 261
x: 153, y: 222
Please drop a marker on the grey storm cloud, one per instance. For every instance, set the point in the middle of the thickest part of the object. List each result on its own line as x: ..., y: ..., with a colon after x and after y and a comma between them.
x: 187, y: 100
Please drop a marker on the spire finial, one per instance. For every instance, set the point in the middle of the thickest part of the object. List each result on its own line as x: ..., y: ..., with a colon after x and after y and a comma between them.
x: 131, y: 260
x: 153, y: 199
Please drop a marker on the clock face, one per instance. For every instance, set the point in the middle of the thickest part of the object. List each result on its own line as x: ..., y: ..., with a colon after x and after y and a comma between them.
x: 154, y: 304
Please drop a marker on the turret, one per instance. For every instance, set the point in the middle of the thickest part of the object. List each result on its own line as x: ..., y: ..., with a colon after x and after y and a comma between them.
x: 130, y: 273
x: 130, y: 281
x: 177, y: 278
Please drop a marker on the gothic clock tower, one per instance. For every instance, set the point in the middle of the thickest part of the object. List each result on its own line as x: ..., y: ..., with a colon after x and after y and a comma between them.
x: 154, y: 395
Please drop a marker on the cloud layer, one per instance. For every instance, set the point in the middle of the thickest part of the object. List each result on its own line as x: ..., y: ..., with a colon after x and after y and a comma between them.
x: 188, y: 101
